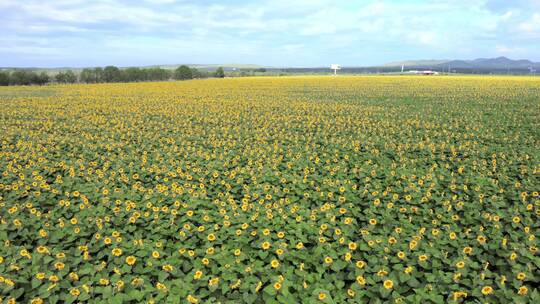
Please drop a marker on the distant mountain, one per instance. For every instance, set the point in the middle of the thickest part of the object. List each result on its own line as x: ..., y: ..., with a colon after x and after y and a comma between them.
x: 499, y: 63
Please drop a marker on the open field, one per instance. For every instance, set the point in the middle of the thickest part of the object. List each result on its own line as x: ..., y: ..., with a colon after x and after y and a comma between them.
x: 264, y: 190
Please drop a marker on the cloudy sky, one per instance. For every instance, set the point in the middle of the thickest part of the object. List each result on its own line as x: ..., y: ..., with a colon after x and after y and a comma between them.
x: 78, y: 33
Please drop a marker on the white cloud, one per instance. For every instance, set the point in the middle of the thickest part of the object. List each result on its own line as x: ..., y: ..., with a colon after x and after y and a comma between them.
x: 274, y: 28
x: 532, y: 25
x: 505, y: 50
x: 507, y: 15
x: 428, y: 38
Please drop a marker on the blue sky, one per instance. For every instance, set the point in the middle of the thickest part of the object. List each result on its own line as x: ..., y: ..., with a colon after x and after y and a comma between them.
x: 76, y: 33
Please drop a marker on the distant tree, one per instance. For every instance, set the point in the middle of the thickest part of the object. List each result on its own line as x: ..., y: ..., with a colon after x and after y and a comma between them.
x: 20, y: 77
x: 41, y: 78
x: 60, y: 77
x: 143, y: 75
x: 34, y: 78
x: 87, y: 76
x: 133, y: 75
x: 195, y: 73
x: 66, y: 77
x: 91, y: 75
x: 98, y: 75
x: 25, y: 77
x: 261, y: 70
x: 219, y: 73
x: 183, y: 72
x: 203, y: 74
x: 4, y: 78
x: 112, y: 74
x: 70, y: 76
x: 158, y: 74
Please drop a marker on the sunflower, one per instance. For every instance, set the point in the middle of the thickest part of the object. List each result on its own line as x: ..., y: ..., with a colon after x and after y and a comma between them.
x: 213, y: 281
x: 41, y: 249
x: 523, y: 290
x: 486, y: 290
x: 161, y: 286
x: 361, y: 280
x: 75, y: 292
x: 513, y: 256
x: 73, y: 276
x: 59, y: 265
x: 130, y: 260
x: 322, y: 296
x: 360, y: 264
x: 458, y: 294
x: 191, y: 299
x: 481, y: 239
x: 167, y: 268
x: 388, y: 284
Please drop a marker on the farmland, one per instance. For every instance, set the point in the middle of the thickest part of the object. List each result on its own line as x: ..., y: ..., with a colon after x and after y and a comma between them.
x: 272, y: 190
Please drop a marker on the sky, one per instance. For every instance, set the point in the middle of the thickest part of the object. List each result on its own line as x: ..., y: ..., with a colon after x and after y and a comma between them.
x: 293, y: 33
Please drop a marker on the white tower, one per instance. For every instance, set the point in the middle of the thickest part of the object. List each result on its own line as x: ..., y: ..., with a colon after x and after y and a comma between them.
x: 335, y: 67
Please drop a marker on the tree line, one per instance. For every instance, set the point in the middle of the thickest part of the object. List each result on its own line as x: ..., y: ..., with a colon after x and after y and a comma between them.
x: 105, y: 75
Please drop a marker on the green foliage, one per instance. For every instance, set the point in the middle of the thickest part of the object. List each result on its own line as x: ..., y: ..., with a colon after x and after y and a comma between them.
x: 89, y: 75
x: 196, y: 73
x: 220, y: 73
x: 183, y: 73
x: 107, y: 74
x: 133, y: 75
x: 4, y: 78
x: 41, y: 78
x: 157, y: 74
x: 21, y: 77
x: 112, y: 74
x: 26, y: 77
x: 66, y: 77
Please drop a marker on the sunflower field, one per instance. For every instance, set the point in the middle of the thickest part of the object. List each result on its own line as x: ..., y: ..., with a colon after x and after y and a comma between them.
x: 353, y: 189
